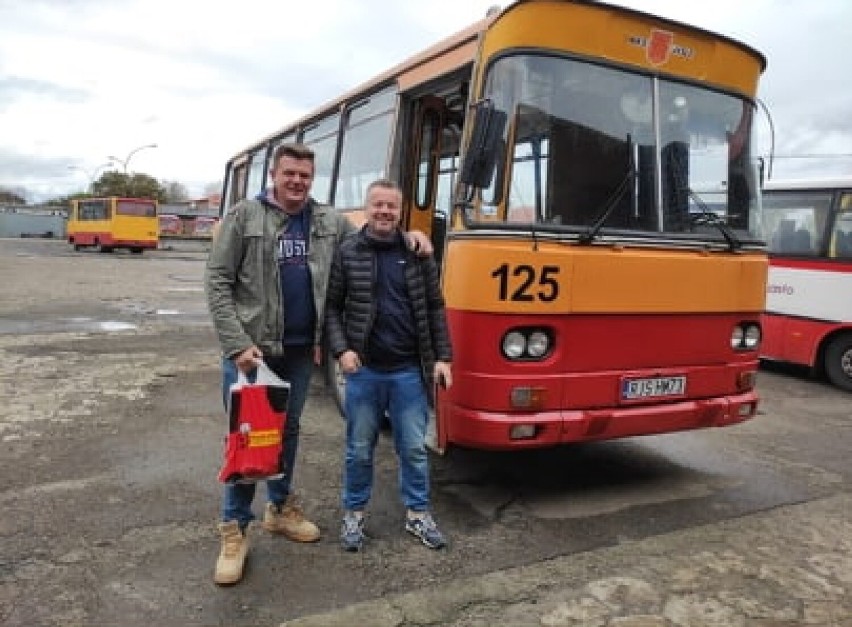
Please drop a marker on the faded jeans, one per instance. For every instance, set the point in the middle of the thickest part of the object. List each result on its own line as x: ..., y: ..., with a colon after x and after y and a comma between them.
x: 296, y: 367
x: 369, y: 393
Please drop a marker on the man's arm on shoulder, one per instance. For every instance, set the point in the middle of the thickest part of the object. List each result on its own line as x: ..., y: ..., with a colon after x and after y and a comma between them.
x: 419, y: 242
x: 345, y: 226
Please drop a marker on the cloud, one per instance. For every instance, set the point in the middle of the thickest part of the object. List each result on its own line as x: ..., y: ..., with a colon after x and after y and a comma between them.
x: 84, y: 79
x: 18, y: 88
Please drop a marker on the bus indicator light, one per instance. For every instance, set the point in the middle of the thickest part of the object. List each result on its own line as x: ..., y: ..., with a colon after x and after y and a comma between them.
x: 528, y: 398
x: 746, y: 380
x: 746, y: 409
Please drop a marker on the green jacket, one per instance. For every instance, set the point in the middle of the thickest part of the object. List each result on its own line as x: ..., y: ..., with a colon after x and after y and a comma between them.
x: 241, y: 278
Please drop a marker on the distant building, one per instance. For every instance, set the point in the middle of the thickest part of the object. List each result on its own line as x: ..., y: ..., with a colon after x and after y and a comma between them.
x: 192, y: 218
x: 208, y: 206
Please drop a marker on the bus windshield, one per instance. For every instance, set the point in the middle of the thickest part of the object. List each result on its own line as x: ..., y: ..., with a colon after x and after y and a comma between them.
x: 586, y: 143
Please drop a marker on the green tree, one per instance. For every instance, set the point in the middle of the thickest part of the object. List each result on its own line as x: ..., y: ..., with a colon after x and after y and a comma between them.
x: 65, y: 201
x: 11, y: 197
x: 212, y: 188
x: 128, y: 185
x: 175, y: 192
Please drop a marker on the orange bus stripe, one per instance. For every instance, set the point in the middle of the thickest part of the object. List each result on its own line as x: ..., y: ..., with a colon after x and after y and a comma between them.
x: 507, y: 276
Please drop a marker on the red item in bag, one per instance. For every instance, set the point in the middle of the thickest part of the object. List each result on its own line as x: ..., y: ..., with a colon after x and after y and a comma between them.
x: 257, y: 417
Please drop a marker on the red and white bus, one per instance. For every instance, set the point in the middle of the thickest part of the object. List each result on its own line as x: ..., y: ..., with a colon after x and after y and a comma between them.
x: 808, y: 319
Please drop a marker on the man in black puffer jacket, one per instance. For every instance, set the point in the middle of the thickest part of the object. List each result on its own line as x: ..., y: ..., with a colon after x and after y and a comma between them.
x: 385, y: 323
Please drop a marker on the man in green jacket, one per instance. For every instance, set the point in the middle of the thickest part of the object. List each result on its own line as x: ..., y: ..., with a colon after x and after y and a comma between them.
x: 266, y: 281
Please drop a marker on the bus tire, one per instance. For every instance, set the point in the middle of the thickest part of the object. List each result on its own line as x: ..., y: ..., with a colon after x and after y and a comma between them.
x: 104, y: 249
x: 838, y: 361
x: 335, y: 380
x: 136, y: 250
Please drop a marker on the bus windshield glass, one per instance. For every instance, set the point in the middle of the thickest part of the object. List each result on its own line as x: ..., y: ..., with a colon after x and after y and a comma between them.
x: 588, y: 144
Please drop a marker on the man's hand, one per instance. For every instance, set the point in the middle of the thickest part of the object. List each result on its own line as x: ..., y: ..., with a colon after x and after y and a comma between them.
x: 249, y: 359
x: 443, y: 374
x: 419, y: 243
x: 349, y: 362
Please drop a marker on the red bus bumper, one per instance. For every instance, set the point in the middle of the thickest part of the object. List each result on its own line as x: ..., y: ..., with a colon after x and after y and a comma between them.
x: 493, y: 430
x: 134, y: 243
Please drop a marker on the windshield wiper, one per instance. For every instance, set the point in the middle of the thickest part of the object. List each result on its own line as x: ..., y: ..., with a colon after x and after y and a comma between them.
x: 612, y: 202
x: 706, y: 217
x: 712, y: 219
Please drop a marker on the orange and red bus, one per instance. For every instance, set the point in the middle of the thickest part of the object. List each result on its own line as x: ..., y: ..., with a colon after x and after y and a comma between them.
x: 808, y: 320
x: 586, y: 174
x: 113, y: 222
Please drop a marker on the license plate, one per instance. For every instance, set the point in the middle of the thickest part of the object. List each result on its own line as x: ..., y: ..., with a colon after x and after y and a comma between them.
x: 653, y: 387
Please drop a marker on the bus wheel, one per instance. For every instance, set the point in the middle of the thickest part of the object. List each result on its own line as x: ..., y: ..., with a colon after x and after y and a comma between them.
x: 104, y: 249
x: 78, y: 247
x: 838, y: 361
x: 136, y: 250
x: 335, y: 380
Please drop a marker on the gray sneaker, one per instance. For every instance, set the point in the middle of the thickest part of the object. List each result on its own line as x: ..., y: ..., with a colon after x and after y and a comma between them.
x: 424, y: 527
x: 352, y: 532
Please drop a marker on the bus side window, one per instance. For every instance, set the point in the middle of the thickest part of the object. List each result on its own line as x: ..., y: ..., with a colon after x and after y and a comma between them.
x: 802, y: 241
x: 844, y: 245
x: 783, y: 240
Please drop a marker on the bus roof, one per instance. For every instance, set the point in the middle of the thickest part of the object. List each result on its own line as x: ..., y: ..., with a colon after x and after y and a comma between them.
x: 463, y: 43
x: 697, y: 29
x: 809, y: 184
x: 468, y: 36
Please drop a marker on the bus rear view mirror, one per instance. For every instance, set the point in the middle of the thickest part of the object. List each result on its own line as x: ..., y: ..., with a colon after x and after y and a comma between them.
x: 480, y: 158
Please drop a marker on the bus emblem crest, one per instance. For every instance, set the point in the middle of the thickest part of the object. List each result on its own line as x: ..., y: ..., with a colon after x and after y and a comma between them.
x: 659, y: 46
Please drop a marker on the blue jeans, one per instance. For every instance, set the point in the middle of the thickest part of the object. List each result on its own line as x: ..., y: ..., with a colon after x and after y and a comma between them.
x: 296, y: 367
x: 369, y: 393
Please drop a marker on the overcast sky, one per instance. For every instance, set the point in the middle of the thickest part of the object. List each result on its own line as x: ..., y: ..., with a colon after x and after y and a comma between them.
x: 82, y: 80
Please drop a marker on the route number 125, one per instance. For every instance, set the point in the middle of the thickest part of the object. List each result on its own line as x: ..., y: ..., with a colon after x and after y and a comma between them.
x: 524, y: 283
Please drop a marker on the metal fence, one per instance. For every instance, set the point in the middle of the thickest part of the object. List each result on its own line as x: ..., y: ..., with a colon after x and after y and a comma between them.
x: 21, y: 221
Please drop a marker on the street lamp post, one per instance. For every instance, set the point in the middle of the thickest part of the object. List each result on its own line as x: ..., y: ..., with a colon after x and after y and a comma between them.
x: 91, y: 175
x: 126, y: 160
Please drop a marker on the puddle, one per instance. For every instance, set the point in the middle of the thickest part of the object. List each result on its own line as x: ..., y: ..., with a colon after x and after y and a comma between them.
x: 112, y: 325
x: 183, y: 278
x: 61, y: 325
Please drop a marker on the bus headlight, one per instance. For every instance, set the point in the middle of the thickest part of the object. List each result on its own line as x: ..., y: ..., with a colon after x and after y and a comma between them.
x: 752, y: 336
x: 527, y: 344
x: 514, y: 345
x: 746, y: 336
x: 538, y: 344
x: 737, y: 337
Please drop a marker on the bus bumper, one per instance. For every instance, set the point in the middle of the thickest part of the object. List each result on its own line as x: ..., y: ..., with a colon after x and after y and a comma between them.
x: 507, y: 431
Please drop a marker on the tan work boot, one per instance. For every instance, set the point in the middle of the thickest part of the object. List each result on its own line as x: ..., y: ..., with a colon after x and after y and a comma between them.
x: 232, y: 555
x: 290, y: 521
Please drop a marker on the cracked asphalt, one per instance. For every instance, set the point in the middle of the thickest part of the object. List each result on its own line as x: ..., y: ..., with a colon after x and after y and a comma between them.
x: 111, y: 430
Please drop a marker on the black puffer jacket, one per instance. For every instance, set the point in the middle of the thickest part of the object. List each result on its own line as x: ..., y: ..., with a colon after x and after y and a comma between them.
x: 350, y: 302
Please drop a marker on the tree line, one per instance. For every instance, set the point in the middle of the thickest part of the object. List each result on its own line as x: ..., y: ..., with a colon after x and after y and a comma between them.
x: 114, y: 183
